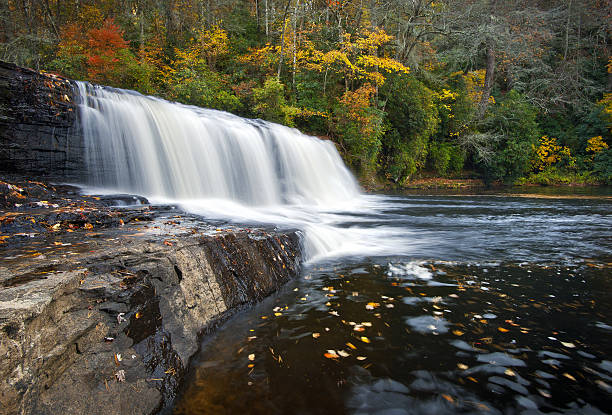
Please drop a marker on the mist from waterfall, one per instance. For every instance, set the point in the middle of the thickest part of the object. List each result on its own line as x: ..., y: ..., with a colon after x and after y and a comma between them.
x: 223, y: 166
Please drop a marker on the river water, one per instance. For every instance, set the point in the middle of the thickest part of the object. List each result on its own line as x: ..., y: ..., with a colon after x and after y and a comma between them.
x: 493, y: 303
x: 489, y: 304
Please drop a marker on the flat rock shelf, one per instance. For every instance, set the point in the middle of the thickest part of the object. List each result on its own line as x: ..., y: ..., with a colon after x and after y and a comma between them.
x: 101, y: 308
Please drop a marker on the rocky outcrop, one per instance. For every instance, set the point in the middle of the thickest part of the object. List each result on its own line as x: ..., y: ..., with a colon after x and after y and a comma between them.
x: 96, y: 319
x: 102, y: 308
x: 38, y: 132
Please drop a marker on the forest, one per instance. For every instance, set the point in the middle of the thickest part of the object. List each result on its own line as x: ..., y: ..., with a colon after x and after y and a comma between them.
x: 508, y: 91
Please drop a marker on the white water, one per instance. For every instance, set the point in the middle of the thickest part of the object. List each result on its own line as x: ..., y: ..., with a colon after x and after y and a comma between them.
x: 222, y: 166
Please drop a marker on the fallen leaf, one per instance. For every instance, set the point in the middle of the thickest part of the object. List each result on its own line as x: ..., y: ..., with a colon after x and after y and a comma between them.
x: 570, y: 377
x: 568, y: 344
x: 120, y: 376
x: 448, y: 398
x: 343, y: 353
x: 252, y: 356
x: 503, y: 330
x: 351, y: 345
x: 462, y: 366
x: 316, y: 335
x: 361, y: 358
x: 331, y: 354
x: 458, y: 333
x: 364, y: 339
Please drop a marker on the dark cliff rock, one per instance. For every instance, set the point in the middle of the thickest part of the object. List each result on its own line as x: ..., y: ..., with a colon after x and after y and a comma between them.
x: 39, y: 135
x: 101, y: 309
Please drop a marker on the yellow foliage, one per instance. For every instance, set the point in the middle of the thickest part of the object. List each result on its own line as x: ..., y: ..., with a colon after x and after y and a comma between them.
x: 474, y: 83
x: 549, y: 153
x: 606, y: 102
x: 355, y: 103
x: 596, y: 144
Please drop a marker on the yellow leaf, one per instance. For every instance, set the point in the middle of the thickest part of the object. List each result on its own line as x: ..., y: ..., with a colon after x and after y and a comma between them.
x: 364, y: 339
x: 570, y: 377
x: 503, y: 330
x: 458, y: 333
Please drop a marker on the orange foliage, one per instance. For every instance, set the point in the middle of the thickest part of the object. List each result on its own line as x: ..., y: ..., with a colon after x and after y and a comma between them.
x: 104, y: 47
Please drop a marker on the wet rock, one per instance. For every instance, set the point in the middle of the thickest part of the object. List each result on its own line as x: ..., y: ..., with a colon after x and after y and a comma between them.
x: 133, y: 297
x: 38, y: 132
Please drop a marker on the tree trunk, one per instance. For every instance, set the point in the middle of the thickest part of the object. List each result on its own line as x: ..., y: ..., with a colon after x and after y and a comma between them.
x: 567, y: 25
x: 266, y: 6
x: 295, y: 17
x: 488, y: 82
x: 282, y: 40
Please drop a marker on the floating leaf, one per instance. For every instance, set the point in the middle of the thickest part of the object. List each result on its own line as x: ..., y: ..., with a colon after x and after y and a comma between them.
x: 316, y: 335
x: 331, y: 354
x: 364, y: 339
x: 361, y: 358
x: 351, y: 345
x: 448, y: 398
x: 462, y: 366
x: 371, y: 306
x: 252, y: 357
x: 343, y: 353
x: 503, y: 330
x: 568, y: 344
x: 570, y: 377
x: 458, y: 333
x: 510, y: 372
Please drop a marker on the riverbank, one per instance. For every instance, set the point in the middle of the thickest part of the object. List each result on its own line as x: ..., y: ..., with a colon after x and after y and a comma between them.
x: 101, y: 308
x: 471, y: 183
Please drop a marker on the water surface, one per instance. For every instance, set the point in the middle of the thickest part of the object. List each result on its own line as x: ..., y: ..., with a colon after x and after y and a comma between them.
x: 473, y: 304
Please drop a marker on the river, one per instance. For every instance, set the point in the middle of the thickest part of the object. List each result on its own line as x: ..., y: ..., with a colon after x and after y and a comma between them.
x: 489, y: 304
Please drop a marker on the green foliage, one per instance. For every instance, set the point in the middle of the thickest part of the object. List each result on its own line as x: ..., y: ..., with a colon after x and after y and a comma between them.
x: 360, y: 127
x: 602, y: 166
x: 558, y: 176
x: 413, y: 118
x: 203, y: 88
x: 513, y: 123
x: 270, y: 103
x: 446, y: 158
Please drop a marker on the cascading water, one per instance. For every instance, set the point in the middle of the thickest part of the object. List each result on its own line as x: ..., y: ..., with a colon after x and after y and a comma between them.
x: 154, y: 147
x: 220, y: 165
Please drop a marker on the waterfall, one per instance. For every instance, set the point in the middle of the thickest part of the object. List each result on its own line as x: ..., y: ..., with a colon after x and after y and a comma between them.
x: 149, y: 146
x: 222, y: 166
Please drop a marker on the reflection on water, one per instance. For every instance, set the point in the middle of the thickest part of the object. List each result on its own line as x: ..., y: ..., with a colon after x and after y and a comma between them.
x: 507, y: 312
